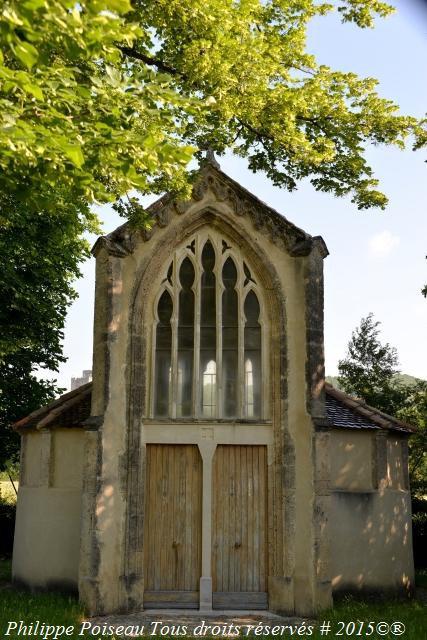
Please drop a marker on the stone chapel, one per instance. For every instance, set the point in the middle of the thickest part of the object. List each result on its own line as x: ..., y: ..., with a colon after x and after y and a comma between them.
x: 207, y: 465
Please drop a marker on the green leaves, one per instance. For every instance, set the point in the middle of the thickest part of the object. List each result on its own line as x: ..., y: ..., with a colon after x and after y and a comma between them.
x: 25, y: 53
x: 85, y: 87
x: 369, y: 371
x: 73, y: 111
x: 75, y: 154
x: 118, y: 6
x: 369, y: 368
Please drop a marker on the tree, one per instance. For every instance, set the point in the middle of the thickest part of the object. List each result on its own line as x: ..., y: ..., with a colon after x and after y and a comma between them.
x: 40, y: 260
x: 369, y: 368
x: 414, y: 411
x: 101, y: 97
x: 369, y: 371
x: 20, y: 393
x: 110, y: 96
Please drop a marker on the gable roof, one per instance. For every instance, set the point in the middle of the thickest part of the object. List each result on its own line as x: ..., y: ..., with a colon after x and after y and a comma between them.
x: 349, y: 412
x: 69, y: 410
x: 295, y: 241
x: 73, y: 409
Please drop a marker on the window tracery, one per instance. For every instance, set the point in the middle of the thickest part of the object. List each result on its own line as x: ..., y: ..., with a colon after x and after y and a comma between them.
x: 208, y: 337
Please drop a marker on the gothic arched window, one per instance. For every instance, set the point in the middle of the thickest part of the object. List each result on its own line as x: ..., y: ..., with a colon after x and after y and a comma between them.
x: 208, y: 335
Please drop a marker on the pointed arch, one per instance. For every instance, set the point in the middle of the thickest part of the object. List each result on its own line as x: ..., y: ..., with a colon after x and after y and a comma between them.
x: 186, y: 235
x: 212, y: 334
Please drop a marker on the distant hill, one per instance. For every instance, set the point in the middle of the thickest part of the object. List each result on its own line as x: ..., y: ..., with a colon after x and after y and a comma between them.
x: 406, y: 379
x: 402, y: 378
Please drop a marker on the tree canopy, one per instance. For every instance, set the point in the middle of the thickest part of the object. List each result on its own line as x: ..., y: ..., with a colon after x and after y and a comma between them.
x: 369, y: 368
x: 414, y: 411
x: 111, y: 96
x: 369, y: 371
x: 40, y: 261
x: 98, y: 98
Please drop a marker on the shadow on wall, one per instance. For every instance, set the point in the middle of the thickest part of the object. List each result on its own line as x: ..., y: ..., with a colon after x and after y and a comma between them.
x: 370, y: 515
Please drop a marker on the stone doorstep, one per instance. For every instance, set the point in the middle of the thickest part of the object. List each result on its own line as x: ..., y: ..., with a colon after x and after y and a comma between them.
x: 192, y: 618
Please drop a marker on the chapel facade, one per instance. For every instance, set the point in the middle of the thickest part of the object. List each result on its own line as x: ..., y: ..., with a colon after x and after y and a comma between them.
x: 207, y: 465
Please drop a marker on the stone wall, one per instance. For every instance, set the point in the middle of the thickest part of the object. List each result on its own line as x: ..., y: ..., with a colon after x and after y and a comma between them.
x: 130, y: 272
x: 370, y: 519
x: 47, y: 533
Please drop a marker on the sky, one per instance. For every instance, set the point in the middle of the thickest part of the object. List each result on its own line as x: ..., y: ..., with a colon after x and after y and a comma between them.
x: 377, y: 259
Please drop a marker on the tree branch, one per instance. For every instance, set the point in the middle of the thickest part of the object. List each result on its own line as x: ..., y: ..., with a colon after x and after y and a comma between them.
x: 152, y: 62
x: 257, y: 133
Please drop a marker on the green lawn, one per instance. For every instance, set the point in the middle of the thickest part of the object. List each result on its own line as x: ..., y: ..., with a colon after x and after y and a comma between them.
x: 55, y: 609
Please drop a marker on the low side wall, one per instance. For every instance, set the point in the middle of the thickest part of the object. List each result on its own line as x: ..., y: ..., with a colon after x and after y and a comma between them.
x: 47, y: 538
x: 47, y: 530
x: 370, y: 519
x: 371, y: 542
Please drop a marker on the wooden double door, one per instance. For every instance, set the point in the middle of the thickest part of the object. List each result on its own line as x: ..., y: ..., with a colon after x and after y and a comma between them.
x: 174, y: 510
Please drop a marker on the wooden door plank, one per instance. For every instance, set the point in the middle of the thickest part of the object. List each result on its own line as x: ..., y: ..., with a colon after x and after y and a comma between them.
x: 172, y: 546
x: 239, y: 535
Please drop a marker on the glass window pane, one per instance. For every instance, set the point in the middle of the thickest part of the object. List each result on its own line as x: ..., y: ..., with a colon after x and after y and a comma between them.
x: 252, y: 383
x: 252, y: 337
x: 208, y: 257
x: 164, y: 337
x: 162, y: 378
x: 236, y: 385
x: 208, y: 379
x: 230, y: 336
x: 229, y: 274
x: 208, y: 333
x: 186, y: 274
x: 230, y: 339
x: 229, y: 308
x: 229, y: 372
x: 165, y: 308
x: 252, y: 359
x: 208, y: 339
x: 162, y: 383
x: 251, y: 309
x: 185, y: 384
x: 184, y: 391
x: 208, y: 304
x: 208, y: 301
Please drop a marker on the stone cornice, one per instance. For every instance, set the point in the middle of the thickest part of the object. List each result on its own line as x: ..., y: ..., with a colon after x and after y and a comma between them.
x: 117, y: 247
x: 294, y: 240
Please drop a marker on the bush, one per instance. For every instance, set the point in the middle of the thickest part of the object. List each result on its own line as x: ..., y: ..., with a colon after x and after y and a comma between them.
x: 419, y: 531
x: 7, y: 528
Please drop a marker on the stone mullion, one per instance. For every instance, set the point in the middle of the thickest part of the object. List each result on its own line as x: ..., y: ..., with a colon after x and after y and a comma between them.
x: 153, y: 369
x: 219, y: 288
x: 196, y: 352
x: 173, y: 391
x: 241, y: 385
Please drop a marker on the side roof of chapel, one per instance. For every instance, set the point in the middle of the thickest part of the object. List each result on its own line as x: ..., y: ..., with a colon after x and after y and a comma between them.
x: 72, y: 410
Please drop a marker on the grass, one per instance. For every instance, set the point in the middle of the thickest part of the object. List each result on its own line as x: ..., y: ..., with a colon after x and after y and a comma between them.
x: 56, y: 609
x: 7, y: 492
x: 51, y: 608
x: 412, y: 613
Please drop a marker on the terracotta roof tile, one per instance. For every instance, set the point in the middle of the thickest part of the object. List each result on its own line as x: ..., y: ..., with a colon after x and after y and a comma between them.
x: 69, y: 410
